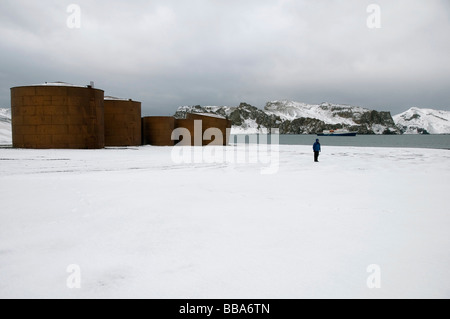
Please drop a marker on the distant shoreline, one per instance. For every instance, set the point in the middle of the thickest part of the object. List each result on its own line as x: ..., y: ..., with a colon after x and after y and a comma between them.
x: 430, y: 141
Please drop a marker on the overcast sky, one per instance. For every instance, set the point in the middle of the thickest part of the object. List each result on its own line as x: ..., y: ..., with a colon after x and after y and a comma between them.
x: 222, y: 52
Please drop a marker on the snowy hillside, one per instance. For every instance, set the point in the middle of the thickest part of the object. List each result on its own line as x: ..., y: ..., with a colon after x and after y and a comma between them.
x: 423, y: 121
x: 5, y: 126
x: 354, y: 117
x: 326, y: 112
x: 243, y: 117
x: 299, y: 118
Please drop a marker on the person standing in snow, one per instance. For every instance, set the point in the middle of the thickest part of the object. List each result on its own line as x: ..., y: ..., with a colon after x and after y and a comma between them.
x: 316, y: 149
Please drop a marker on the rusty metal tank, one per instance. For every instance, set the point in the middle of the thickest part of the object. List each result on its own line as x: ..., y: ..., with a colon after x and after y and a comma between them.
x: 213, y: 121
x: 122, y: 122
x: 57, y: 115
x: 189, y: 126
x: 157, y: 130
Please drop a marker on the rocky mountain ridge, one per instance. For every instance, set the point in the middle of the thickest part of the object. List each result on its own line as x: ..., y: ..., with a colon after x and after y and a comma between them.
x: 423, y: 121
x: 300, y: 118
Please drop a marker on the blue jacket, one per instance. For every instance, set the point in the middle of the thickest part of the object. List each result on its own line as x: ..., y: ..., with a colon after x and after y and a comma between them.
x: 316, y: 146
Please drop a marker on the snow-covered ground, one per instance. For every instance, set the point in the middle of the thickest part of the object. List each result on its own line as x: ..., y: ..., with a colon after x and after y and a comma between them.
x: 137, y: 224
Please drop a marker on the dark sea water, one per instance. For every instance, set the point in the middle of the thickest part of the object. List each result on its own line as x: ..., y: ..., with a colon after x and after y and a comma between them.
x: 397, y: 141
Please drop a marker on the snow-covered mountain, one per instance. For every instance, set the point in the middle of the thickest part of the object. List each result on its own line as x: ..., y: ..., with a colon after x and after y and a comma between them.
x: 5, y: 126
x: 326, y: 112
x: 300, y: 118
x: 423, y: 121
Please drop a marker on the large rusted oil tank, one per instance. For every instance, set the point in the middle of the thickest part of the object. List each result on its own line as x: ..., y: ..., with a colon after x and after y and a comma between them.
x: 213, y: 121
x: 157, y: 130
x: 57, y: 115
x: 122, y: 122
x: 189, y: 126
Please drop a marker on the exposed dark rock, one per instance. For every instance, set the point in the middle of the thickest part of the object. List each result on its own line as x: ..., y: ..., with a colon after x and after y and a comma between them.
x: 365, y: 120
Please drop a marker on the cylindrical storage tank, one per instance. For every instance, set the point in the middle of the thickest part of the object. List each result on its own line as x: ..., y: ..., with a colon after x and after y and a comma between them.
x: 57, y: 116
x: 189, y: 126
x: 213, y: 121
x: 122, y: 122
x: 157, y: 130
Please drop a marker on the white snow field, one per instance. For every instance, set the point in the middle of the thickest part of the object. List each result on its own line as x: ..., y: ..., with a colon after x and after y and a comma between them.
x: 138, y: 225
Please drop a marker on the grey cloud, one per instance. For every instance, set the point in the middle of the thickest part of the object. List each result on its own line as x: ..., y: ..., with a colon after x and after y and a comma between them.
x: 172, y: 53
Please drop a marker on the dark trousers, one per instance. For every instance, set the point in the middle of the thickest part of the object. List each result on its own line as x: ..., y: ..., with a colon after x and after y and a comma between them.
x: 316, y: 156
